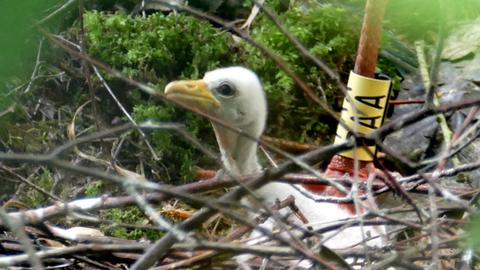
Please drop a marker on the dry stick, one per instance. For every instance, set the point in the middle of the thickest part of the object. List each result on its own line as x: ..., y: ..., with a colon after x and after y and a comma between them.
x: 58, y: 10
x: 289, y: 201
x: 35, y: 69
x: 289, y: 146
x: 206, y: 185
x: 465, y: 141
x: 161, y: 247
x: 6, y: 261
x: 96, y: 220
x: 396, y: 187
x: 405, y: 101
x: 170, y: 192
x: 125, y: 112
x: 50, y: 158
x: 17, y: 228
x: 445, y: 173
x: 122, y: 108
x: 30, y: 183
x: 470, y: 117
x: 302, y: 49
x: 57, y: 252
x: 86, y: 66
x: 437, y: 189
x: 411, y: 252
x: 412, y: 117
x: 253, y: 14
x: 10, y: 109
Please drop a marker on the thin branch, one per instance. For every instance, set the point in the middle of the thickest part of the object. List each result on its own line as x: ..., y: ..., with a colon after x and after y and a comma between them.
x: 17, y: 228
x: 58, y: 10
x: 160, y: 248
x: 129, y: 117
x: 35, y: 69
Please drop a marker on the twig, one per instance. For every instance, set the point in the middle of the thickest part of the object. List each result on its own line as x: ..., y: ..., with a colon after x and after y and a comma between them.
x: 58, y: 10
x: 429, y: 97
x: 30, y: 183
x: 253, y: 14
x: 287, y: 145
x: 160, y: 248
x: 234, y: 235
x: 302, y: 49
x: 129, y: 117
x: 35, y: 69
x: 56, y: 252
x: 412, y: 117
x: 396, y: 102
x: 458, y: 133
x: 10, y: 109
x: 86, y: 66
x: 161, y: 222
x: 16, y: 227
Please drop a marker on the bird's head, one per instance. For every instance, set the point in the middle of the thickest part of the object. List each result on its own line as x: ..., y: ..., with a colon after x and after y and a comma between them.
x: 235, y: 96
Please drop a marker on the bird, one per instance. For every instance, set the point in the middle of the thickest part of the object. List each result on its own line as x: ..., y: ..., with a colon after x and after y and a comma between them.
x: 235, y: 96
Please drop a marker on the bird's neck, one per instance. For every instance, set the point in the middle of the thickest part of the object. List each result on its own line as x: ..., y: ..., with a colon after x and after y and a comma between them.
x: 239, y: 153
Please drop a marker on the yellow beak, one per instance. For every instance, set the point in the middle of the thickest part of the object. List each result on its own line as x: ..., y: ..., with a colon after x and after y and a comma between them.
x: 194, y: 93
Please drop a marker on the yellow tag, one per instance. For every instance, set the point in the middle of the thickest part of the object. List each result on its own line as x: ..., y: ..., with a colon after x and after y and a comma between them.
x: 370, y: 98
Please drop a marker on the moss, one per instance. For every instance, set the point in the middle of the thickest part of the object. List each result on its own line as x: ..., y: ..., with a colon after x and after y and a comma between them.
x: 129, y: 215
x: 331, y: 34
x: 93, y: 189
x: 45, y: 181
x: 158, y: 49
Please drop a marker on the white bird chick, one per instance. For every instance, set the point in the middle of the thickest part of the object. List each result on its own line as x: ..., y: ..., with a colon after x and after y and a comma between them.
x: 235, y: 95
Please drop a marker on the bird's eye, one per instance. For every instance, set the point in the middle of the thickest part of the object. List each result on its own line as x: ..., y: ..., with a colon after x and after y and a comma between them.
x: 226, y: 90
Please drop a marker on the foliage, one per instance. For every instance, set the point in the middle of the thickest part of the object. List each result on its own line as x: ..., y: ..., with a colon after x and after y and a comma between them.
x: 178, y: 157
x: 331, y: 34
x: 45, y: 181
x: 129, y: 215
x: 160, y: 48
x: 148, y: 48
x: 93, y: 189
